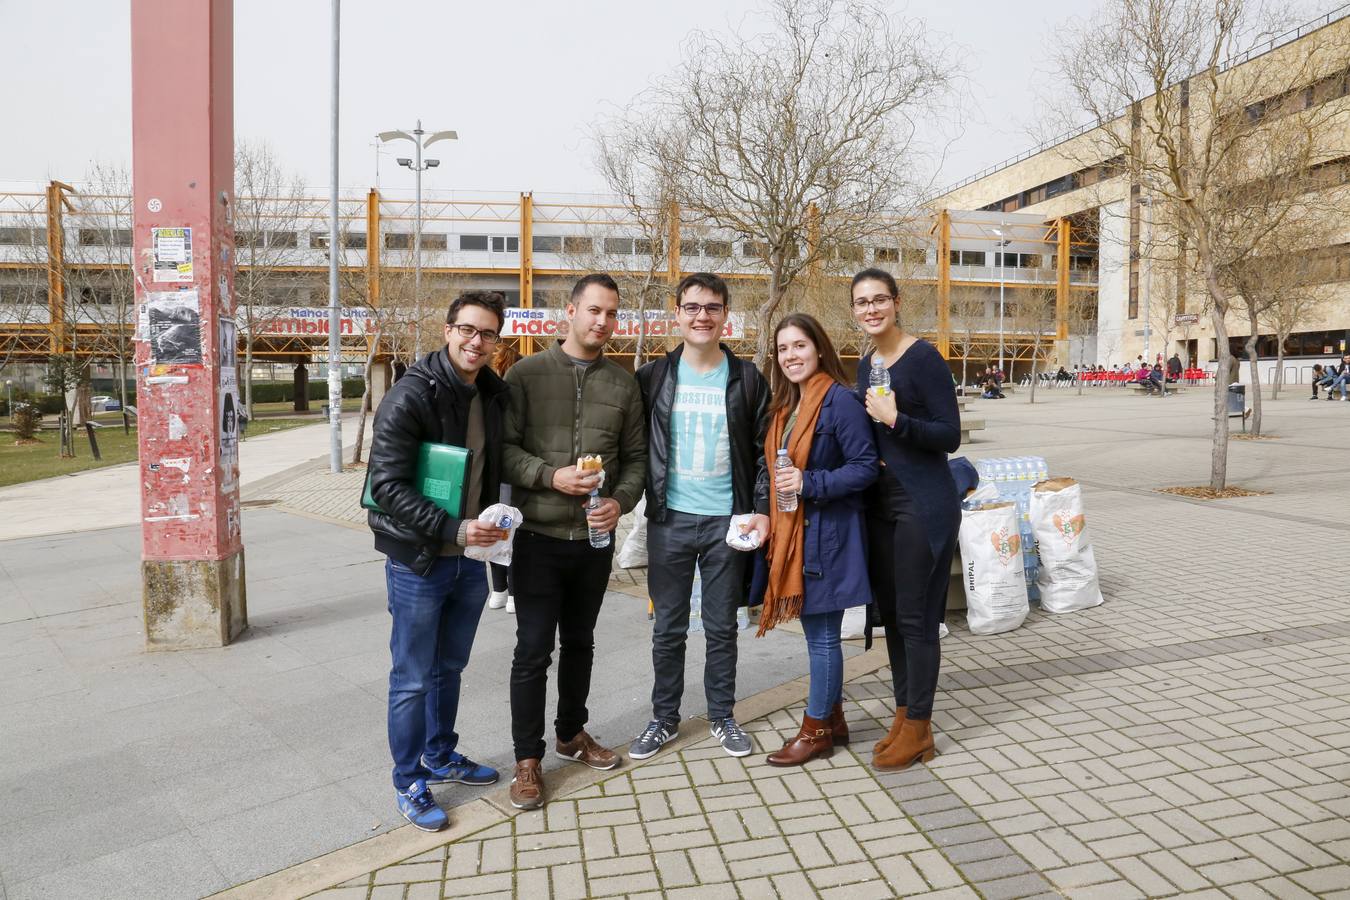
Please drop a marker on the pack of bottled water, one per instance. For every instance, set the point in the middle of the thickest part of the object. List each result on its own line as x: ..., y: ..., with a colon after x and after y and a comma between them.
x: 1013, y: 477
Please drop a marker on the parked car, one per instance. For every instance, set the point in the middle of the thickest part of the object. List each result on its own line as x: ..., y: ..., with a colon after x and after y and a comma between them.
x: 103, y: 403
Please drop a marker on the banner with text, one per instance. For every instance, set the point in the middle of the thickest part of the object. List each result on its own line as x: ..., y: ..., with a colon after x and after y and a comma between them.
x: 659, y: 323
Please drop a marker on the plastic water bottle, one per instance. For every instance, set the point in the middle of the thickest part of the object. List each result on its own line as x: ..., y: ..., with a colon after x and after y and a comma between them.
x: 879, y: 380
x: 787, y: 500
x: 599, y: 539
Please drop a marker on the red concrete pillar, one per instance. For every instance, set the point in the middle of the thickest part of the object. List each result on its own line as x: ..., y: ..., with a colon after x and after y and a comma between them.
x: 182, y: 81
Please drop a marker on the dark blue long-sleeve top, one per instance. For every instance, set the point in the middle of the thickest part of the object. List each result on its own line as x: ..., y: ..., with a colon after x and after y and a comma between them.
x: 927, y: 428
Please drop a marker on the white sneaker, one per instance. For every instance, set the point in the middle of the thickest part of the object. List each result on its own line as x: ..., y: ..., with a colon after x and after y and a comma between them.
x: 498, y: 599
x: 510, y: 604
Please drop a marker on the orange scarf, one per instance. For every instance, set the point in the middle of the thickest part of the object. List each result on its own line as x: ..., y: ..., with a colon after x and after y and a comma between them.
x: 786, y: 589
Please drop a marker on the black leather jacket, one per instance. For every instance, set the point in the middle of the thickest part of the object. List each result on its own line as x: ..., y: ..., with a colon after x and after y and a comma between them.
x: 429, y: 403
x: 747, y: 423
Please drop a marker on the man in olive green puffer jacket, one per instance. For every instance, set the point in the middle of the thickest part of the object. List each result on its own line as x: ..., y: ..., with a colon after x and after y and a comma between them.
x: 566, y: 402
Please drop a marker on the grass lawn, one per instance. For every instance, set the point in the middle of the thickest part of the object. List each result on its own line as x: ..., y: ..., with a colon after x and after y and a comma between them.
x: 33, y: 461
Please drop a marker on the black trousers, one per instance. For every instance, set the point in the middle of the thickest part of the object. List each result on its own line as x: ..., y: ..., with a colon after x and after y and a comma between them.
x: 559, y: 586
x: 910, y: 585
x: 501, y: 578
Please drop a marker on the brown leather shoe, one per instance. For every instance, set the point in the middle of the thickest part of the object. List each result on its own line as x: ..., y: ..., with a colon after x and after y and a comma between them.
x: 913, y: 744
x: 812, y: 741
x: 527, y: 787
x: 585, y: 750
x: 838, y: 726
x: 893, y: 733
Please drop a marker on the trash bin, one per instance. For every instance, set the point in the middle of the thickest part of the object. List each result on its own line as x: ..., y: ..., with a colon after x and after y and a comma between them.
x: 325, y: 409
x: 1237, y: 399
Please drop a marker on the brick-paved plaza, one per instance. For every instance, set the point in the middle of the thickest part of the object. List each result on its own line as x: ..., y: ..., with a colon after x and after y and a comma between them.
x: 1190, y: 736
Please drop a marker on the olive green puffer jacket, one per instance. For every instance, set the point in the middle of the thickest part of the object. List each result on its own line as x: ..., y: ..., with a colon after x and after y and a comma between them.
x: 559, y: 411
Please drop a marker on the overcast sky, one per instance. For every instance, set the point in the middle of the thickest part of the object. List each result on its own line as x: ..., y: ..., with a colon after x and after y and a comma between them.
x: 521, y: 82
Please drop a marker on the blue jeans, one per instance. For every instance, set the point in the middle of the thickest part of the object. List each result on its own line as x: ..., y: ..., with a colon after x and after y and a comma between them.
x: 826, y: 656
x: 435, y: 619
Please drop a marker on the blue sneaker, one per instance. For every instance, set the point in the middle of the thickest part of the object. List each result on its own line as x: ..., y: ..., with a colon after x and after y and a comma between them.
x: 419, y: 807
x: 460, y: 768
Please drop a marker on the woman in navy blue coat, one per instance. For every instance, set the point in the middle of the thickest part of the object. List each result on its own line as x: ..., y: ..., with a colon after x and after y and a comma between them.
x: 817, y: 564
x: 913, y: 512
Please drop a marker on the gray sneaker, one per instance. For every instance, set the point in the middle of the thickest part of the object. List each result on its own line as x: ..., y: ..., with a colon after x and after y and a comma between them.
x: 734, y: 741
x: 652, y: 739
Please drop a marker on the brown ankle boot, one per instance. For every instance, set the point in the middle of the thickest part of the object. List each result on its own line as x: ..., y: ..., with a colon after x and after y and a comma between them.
x: 893, y: 733
x: 913, y: 744
x: 838, y: 726
x: 812, y: 741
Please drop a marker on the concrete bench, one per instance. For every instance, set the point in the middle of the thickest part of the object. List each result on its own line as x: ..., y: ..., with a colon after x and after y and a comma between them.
x: 1171, y: 389
x: 968, y: 426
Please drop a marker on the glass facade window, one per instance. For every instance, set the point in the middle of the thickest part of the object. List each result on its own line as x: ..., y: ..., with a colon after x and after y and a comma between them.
x: 578, y: 244
x: 473, y: 242
x: 505, y: 244
x: 546, y: 243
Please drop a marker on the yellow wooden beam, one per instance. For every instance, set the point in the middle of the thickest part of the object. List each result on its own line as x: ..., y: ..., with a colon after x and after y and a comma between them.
x: 1062, y: 283
x: 944, y: 282
x: 527, y: 263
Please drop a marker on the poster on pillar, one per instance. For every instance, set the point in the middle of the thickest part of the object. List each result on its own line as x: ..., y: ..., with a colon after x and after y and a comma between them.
x: 174, y: 319
x: 230, y: 409
x: 173, y: 254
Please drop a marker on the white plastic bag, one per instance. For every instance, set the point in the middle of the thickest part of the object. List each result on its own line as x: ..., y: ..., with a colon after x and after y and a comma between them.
x: 502, y: 516
x: 991, y: 557
x: 633, y: 553
x: 739, y: 535
x: 987, y: 492
x: 855, y: 623
x: 1068, y: 575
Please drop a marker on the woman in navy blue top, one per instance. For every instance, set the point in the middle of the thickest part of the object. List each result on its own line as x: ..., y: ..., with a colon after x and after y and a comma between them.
x: 913, y: 511
x: 817, y: 565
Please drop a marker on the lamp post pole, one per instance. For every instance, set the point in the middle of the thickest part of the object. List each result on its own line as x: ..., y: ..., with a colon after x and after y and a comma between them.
x: 1001, y: 231
x: 334, y: 304
x: 417, y: 164
x: 417, y: 246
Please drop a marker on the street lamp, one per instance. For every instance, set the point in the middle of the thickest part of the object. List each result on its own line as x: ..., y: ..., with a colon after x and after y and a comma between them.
x: 1002, y: 264
x: 418, y: 165
x: 9, y: 398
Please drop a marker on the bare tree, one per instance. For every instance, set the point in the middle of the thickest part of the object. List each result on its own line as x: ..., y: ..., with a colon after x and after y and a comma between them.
x: 1290, y: 307
x: 98, y: 277
x: 1033, y: 314
x: 1220, y: 149
x: 390, y: 318
x: 649, y: 200
x: 797, y: 141
x: 269, y: 208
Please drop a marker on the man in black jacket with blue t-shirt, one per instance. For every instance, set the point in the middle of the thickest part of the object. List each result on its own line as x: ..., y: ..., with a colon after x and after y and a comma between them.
x: 436, y: 594
x: 707, y: 412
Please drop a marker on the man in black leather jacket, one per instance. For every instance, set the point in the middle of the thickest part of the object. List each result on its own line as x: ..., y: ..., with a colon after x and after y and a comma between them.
x: 436, y: 594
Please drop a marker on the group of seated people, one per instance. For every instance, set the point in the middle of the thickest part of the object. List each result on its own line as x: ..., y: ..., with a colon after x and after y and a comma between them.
x: 1174, y: 373
x: 1332, y: 377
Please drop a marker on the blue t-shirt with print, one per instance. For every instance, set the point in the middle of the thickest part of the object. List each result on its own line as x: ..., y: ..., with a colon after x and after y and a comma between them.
x: 698, y: 476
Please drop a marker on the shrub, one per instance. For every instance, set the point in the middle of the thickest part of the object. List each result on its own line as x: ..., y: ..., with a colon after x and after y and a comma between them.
x: 27, y: 421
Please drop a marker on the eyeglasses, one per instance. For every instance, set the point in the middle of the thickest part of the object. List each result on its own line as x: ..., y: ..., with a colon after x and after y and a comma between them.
x: 692, y: 310
x: 468, y: 332
x: 866, y: 304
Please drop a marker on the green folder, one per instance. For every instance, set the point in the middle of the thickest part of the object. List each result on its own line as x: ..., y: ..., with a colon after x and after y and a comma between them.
x: 442, y: 473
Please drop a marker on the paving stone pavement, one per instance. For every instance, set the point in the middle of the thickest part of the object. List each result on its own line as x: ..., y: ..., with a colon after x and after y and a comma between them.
x: 1189, y: 737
